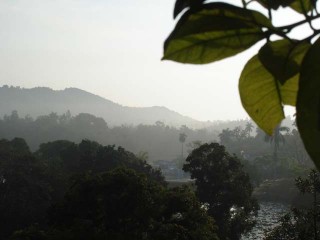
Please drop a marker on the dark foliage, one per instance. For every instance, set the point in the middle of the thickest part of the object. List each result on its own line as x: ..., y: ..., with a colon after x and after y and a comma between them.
x: 301, y: 223
x: 224, y: 187
x: 30, y: 183
x: 122, y: 204
x: 71, y: 191
x: 25, y: 193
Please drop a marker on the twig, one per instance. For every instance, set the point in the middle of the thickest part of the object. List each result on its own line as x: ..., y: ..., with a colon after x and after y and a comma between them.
x: 291, y: 26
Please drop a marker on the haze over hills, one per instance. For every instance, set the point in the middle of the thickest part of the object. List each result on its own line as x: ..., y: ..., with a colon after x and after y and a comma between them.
x: 42, y: 101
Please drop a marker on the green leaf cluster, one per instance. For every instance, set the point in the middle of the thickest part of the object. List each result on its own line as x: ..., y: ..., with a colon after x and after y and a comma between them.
x: 283, y: 72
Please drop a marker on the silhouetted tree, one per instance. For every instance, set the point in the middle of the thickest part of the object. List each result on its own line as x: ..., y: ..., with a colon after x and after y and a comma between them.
x: 276, y: 138
x: 226, y: 136
x: 223, y: 186
x: 249, y: 128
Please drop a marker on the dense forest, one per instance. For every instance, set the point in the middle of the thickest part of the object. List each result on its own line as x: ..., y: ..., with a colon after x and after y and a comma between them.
x: 67, y: 176
x: 87, y: 191
x: 65, y: 185
x: 159, y: 141
x: 66, y: 190
x: 74, y: 191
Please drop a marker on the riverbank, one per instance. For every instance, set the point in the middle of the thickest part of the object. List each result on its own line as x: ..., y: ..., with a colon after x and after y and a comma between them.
x: 279, y: 190
x: 283, y: 191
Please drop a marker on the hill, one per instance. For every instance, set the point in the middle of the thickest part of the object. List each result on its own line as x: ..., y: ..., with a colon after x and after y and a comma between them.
x: 42, y: 101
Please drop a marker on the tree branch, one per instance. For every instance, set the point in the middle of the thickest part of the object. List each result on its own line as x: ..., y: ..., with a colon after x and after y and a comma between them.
x: 291, y: 26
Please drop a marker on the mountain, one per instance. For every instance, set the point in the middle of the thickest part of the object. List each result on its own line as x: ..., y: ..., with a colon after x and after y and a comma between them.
x: 42, y: 101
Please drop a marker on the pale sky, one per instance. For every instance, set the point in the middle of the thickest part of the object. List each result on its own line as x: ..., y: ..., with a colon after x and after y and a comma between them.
x: 113, y: 48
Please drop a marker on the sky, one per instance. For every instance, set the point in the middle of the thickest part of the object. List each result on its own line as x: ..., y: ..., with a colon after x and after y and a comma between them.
x: 113, y: 48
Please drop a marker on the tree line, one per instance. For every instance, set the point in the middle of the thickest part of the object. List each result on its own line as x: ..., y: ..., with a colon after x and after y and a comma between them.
x: 160, y: 141
x: 265, y: 157
x: 66, y: 190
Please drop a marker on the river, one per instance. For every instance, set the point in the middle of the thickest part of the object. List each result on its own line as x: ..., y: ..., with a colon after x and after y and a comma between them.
x: 267, y: 218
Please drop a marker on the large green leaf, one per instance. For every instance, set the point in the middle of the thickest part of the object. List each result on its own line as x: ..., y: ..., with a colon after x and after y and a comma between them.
x: 263, y: 96
x: 282, y: 58
x: 215, y: 32
x: 303, y: 6
x: 308, y: 103
x: 180, y: 5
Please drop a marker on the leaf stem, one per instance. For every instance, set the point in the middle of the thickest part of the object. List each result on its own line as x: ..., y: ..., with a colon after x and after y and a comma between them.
x: 270, y: 13
x: 244, y: 4
x: 279, y: 33
x: 317, y: 32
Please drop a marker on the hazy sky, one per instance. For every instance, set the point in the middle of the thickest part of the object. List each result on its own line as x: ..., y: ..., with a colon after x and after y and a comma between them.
x: 113, y: 48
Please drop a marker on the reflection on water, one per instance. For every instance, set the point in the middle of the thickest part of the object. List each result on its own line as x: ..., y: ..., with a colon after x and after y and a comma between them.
x: 268, y: 216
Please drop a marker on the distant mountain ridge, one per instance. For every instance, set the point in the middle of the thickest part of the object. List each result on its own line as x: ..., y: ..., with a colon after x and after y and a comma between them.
x: 42, y: 101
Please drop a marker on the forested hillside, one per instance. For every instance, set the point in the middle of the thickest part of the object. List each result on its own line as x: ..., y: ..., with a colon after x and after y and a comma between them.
x: 42, y: 101
x: 160, y: 141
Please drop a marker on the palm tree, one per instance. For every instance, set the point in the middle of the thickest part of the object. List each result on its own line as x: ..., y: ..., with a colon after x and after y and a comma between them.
x: 236, y: 132
x: 142, y: 155
x: 248, y: 129
x: 276, y: 138
x: 182, y: 139
x: 226, y: 136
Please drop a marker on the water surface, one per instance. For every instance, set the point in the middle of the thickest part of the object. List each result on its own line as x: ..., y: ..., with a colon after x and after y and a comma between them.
x: 268, y: 217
